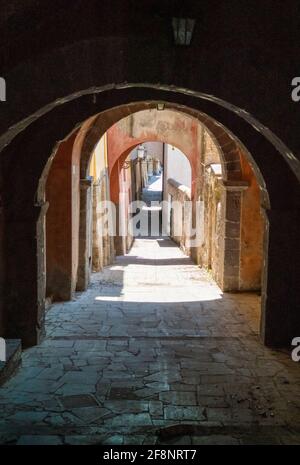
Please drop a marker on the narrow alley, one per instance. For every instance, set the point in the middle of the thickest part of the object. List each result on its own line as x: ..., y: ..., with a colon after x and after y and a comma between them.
x: 152, y: 353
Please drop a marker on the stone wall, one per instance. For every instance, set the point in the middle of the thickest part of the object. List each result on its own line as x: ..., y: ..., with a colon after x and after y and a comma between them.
x: 211, y: 251
x: 102, y: 242
x: 234, y: 224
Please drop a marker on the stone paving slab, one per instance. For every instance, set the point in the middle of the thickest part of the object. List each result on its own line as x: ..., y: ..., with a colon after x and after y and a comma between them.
x: 153, y: 352
x: 13, y: 359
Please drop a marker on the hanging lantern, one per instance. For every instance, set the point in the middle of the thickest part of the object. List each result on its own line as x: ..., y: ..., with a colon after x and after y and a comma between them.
x: 183, y: 30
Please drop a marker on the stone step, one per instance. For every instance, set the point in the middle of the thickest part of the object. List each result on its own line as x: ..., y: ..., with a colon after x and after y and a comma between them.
x: 13, y: 359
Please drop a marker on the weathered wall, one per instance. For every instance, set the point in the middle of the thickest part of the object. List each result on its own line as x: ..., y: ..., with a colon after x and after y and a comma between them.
x: 210, y: 254
x: 250, y: 227
x: 252, y: 232
x: 233, y: 224
x: 102, y: 244
x: 167, y: 126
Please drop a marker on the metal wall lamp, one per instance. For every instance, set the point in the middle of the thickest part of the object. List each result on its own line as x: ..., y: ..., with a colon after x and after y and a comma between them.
x: 183, y: 30
x: 126, y: 164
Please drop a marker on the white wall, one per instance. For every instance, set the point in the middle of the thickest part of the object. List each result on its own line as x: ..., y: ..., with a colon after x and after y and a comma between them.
x: 177, y: 166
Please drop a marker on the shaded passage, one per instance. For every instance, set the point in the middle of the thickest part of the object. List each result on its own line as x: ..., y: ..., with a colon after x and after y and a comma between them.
x: 153, y: 352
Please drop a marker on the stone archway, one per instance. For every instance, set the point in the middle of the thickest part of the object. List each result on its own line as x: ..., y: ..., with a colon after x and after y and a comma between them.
x: 38, y: 135
x: 180, y: 131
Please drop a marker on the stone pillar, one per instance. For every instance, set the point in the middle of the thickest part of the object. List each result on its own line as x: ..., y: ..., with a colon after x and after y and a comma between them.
x: 144, y: 173
x: 2, y: 268
x: 150, y: 167
x: 97, y: 254
x: 156, y: 166
x: 105, y: 242
x: 118, y: 240
x: 41, y: 269
x: 25, y: 281
x: 231, y: 235
x: 85, y: 235
x: 108, y: 240
x: 138, y: 180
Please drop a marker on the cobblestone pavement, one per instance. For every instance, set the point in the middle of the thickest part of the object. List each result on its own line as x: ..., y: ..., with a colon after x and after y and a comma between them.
x: 153, y: 353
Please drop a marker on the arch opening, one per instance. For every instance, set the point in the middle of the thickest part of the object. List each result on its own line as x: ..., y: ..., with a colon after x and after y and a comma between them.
x: 223, y: 186
x: 231, y: 165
